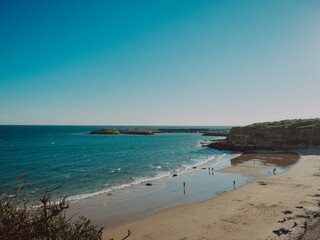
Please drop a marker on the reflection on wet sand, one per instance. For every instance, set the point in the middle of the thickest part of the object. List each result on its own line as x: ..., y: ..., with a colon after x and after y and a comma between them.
x: 280, y: 159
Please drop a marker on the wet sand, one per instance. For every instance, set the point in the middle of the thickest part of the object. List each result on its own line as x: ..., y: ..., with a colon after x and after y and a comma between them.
x: 252, y: 211
x: 254, y: 164
x: 252, y: 168
x: 278, y: 159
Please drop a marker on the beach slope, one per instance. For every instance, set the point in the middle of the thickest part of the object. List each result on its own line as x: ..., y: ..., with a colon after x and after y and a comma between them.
x: 252, y: 211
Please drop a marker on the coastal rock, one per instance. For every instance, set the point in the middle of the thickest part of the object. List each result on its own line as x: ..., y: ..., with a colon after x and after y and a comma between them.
x: 105, y: 131
x: 148, y: 184
x: 136, y: 131
x: 283, y: 135
x: 152, y: 131
x: 287, y: 212
x: 219, y: 132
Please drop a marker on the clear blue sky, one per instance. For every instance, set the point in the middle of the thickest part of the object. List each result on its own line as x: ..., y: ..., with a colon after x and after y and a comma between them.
x: 159, y: 62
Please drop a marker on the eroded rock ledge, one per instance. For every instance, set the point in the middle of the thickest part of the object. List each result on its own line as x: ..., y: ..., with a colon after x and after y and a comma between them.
x: 282, y: 135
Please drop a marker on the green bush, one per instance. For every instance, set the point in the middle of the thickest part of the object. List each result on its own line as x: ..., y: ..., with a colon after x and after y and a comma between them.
x: 313, y: 123
x: 21, y: 220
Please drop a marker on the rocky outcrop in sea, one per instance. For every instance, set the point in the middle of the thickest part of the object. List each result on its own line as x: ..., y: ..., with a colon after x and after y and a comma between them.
x: 105, y: 131
x: 152, y: 131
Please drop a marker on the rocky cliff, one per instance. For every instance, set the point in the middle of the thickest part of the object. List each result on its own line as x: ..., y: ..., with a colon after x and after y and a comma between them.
x: 283, y: 135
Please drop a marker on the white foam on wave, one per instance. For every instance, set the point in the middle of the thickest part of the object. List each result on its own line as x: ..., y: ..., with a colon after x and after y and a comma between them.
x: 122, y: 186
x: 190, y: 168
x: 215, y: 162
x: 118, y: 170
x: 187, y: 169
x: 155, y: 167
x: 200, y: 143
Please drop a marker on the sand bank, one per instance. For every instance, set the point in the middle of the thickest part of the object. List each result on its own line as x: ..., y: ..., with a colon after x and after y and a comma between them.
x: 252, y: 211
x: 254, y: 164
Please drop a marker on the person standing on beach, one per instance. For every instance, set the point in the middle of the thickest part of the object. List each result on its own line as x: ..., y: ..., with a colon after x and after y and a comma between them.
x: 184, y: 188
x: 234, y: 184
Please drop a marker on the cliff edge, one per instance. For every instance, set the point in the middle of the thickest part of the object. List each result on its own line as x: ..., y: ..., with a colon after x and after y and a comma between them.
x: 281, y: 135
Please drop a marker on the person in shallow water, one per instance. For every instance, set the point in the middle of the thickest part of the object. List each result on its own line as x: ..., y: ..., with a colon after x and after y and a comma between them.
x: 234, y: 184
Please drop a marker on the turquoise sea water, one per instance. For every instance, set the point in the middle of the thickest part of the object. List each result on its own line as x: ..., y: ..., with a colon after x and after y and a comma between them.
x: 89, y: 165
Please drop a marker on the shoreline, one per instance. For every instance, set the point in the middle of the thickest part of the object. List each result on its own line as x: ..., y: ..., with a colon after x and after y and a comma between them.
x: 234, y: 213
x: 142, y: 201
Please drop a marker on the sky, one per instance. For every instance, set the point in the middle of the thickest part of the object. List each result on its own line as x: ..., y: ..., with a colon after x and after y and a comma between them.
x: 158, y: 62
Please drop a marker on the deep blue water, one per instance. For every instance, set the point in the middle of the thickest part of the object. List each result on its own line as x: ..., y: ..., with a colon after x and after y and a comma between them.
x: 89, y: 164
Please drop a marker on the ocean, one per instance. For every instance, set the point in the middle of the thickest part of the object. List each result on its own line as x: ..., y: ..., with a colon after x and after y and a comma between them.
x: 88, y: 165
x: 105, y: 176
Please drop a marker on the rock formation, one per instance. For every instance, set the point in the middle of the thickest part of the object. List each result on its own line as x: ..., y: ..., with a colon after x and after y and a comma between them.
x: 219, y: 132
x: 152, y: 131
x: 283, y: 135
x: 105, y: 131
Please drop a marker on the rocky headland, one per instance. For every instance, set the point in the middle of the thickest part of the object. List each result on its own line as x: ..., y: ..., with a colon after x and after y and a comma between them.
x: 281, y: 135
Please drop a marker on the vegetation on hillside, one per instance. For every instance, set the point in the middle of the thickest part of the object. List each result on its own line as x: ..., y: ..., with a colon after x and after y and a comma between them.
x: 313, y: 123
x: 45, y: 219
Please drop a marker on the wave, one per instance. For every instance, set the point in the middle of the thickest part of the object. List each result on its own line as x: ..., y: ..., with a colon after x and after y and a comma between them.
x: 186, y: 169
x: 155, y: 167
x: 200, y: 143
x: 121, y: 186
x: 116, y: 170
x: 191, y: 168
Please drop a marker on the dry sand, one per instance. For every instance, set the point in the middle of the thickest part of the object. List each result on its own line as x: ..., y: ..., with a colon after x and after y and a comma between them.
x: 252, y: 211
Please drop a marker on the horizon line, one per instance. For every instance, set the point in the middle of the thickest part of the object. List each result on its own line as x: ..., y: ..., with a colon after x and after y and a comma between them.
x: 114, y: 125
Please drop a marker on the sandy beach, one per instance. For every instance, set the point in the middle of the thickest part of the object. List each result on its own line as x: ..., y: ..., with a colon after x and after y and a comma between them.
x: 252, y: 211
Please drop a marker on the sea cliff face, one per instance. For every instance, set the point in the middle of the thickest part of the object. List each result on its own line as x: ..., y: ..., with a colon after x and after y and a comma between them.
x: 259, y: 138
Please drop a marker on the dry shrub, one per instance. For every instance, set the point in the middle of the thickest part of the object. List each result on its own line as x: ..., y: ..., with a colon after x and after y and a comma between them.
x: 44, y: 219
